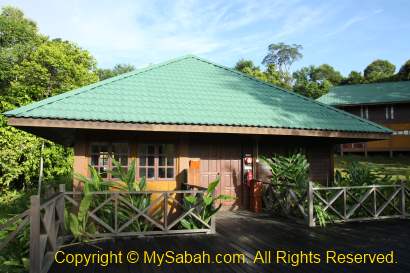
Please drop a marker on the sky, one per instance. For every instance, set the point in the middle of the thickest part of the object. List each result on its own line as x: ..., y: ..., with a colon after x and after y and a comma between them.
x: 345, y: 34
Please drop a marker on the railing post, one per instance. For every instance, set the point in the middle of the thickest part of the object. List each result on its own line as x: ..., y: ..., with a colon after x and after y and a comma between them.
x: 213, y: 225
x: 310, y: 201
x: 375, y: 216
x: 116, y: 213
x: 345, y: 203
x: 403, y: 199
x: 61, y: 206
x: 166, y: 210
x: 213, y: 219
x: 35, y: 255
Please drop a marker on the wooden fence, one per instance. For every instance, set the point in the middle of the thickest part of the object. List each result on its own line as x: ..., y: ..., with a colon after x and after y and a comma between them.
x: 116, y: 214
x: 359, y: 203
x: 340, y: 204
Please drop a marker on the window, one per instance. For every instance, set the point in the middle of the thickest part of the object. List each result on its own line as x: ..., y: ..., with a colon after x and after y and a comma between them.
x: 402, y: 133
x: 103, y: 153
x: 156, y: 161
x: 364, y: 112
x: 389, y: 112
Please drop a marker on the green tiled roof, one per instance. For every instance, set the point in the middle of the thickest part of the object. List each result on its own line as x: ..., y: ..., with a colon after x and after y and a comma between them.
x: 372, y: 93
x: 191, y: 90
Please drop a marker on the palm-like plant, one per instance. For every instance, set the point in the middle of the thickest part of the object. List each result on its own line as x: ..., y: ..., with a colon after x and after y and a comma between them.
x: 203, y: 206
x: 78, y: 222
x: 140, y: 201
x: 292, y: 170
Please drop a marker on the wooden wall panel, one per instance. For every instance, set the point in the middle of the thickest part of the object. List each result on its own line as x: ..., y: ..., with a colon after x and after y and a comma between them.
x: 81, y: 160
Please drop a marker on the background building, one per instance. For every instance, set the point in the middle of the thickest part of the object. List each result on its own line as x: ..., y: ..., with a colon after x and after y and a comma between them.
x: 386, y: 103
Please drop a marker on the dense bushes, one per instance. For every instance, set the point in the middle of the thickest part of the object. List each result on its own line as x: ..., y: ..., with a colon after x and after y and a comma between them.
x: 359, y: 174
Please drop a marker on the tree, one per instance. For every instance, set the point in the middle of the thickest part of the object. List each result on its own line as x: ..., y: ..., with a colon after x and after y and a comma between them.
x: 404, y: 72
x: 315, y: 81
x: 270, y: 75
x: 282, y: 56
x: 327, y: 72
x: 354, y: 77
x: 243, y: 65
x: 379, y: 70
x: 19, y: 36
x: 33, y: 68
x: 117, y: 70
x: 54, y: 67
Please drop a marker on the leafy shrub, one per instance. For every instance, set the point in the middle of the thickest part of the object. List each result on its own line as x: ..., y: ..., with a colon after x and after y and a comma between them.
x: 290, y: 175
x: 292, y: 170
x: 78, y: 222
x: 359, y: 174
x: 203, y: 206
x: 13, y: 258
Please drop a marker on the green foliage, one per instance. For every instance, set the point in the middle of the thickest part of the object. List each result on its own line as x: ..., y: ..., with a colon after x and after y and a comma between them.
x: 327, y: 72
x: 54, y: 67
x: 280, y: 58
x: 359, y: 174
x: 78, y: 223
x: 18, y: 37
x: 270, y: 75
x: 282, y: 55
x: 20, y: 159
x: 291, y: 173
x: 315, y: 81
x: 13, y: 258
x: 32, y: 67
x: 379, y: 70
x: 322, y: 215
x: 243, y: 65
x: 354, y: 77
x: 292, y: 170
x: 404, y: 72
x: 117, y: 70
x: 204, y: 206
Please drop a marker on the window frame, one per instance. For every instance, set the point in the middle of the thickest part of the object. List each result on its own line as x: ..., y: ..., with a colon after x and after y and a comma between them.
x: 156, y: 165
x: 364, y: 112
x: 110, y: 156
x: 389, y: 112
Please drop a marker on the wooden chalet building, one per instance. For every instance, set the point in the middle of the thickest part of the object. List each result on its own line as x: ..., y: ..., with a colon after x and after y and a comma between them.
x: 189, y: 120
x: 386, y: 103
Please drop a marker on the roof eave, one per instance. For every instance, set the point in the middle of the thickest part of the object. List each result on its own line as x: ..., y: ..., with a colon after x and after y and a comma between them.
x: 368, y: 103
x: 191, y: 128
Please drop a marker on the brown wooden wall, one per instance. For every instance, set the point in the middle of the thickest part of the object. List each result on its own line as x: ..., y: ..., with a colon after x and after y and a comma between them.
x: 377, y: 113
x: 219, y: 155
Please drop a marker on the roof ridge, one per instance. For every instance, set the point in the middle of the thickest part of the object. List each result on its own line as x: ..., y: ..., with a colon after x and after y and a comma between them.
x: 292, y: 93
x: 81, y: 90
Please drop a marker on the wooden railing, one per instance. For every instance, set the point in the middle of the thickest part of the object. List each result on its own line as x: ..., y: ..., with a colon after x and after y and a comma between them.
x: 46, y: 230
x: 359, y: 203
x: 340, y: 204
x: 163, y: 213
x: 285, y: 200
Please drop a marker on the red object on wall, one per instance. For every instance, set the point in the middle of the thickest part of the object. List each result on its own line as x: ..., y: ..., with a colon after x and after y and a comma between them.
x: 249, y: 178
x: 256, y: 196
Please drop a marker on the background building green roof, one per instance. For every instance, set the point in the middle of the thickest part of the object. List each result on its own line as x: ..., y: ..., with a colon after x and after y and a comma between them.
x: 372, y: 93
x: 191, y: 90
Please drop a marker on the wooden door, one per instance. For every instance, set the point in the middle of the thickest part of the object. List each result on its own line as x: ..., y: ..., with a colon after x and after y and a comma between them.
x: 223, y: 160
